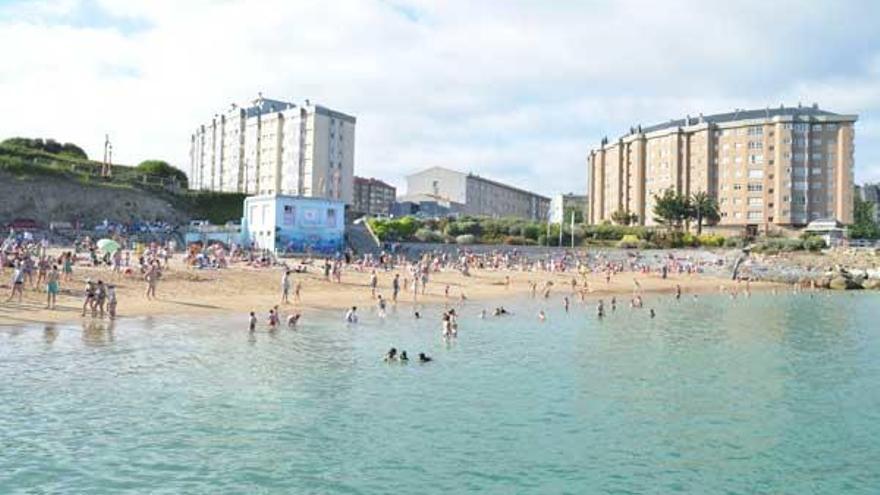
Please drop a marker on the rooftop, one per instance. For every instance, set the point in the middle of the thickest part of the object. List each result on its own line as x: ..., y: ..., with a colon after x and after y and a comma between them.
x: 740, y: 114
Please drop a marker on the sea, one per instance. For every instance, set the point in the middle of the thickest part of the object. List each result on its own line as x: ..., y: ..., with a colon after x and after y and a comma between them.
x: 765, y: 394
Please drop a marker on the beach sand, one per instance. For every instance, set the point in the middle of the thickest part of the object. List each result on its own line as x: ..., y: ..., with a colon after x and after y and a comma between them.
x: 240, y: 289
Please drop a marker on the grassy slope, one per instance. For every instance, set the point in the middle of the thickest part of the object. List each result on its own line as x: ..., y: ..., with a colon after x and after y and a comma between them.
x: 25, y: 163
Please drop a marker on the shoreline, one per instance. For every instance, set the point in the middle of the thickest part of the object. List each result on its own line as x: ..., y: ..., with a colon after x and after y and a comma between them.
x: 238, y: 290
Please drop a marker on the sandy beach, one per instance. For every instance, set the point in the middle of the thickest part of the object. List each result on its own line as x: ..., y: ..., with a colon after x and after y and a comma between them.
x: 240, y: 289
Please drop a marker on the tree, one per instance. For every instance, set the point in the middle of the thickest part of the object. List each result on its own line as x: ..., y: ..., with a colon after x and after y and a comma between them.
x: 671, y: 209
x: 48, y: 146
x: 624, y: 217
x: 162, y: 169
x: 703, y: 208
x: 863, y: 226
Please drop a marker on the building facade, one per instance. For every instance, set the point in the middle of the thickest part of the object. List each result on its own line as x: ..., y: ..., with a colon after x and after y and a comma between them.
x: 293, y: 224
x: 478, y: 195
x: 562, y: 205
x: 870, y: 193
x: 771, y: 168
x: 275, y: 147
x: 373, y: 196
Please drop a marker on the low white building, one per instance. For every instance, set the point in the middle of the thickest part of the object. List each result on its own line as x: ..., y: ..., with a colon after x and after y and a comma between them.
x: 275, y: 147
x: 562, y: 205
x: 292, y: 224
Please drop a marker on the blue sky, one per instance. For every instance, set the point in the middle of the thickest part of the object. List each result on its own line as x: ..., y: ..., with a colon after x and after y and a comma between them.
x: 515, y: 90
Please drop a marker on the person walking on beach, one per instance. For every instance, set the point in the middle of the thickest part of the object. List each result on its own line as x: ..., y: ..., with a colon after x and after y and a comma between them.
x: 374, y: 282
x: 285, y: 287
x: 395, y: 287
x: 17, y: 282
x: 152, y: 279
x: 52, y: 287
x: 89, y: 300
x: 67, y: 266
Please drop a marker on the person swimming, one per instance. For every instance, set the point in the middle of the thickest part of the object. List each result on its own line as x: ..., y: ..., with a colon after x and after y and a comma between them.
x: 423, y: 358
x: 542, y: 316
x: 391, y: 355
x: 652, y: 313
x: 403, y: 358
x: 417, y: 315
x: 293, y: 319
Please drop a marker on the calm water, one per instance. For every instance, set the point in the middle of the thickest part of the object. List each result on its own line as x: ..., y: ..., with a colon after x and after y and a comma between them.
x: 770, y: 395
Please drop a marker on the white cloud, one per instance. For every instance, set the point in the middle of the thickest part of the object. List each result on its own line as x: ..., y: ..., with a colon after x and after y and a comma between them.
x: 517, y: 90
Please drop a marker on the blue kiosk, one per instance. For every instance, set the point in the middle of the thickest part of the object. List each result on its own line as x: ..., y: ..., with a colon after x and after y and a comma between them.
x: 293, y: 224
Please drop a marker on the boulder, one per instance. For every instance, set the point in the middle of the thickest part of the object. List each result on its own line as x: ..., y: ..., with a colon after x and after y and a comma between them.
x: 871, y: 284
x: 843, y: 283
x: 822, y: 282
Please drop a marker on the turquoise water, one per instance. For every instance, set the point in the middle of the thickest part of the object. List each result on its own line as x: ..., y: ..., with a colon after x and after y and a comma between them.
x: 767, y: 395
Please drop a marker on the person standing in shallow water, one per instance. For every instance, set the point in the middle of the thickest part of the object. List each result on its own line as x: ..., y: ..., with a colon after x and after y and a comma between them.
x: 152, y: 279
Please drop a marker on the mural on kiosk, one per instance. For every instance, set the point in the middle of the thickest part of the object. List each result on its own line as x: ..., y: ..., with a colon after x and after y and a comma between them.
x: 315, y: 228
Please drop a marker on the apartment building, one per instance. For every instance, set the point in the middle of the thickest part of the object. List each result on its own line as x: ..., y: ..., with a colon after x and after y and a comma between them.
x: 275, y: 147
x: 373, y: 196
x: 478, y: 195
x: 768, y: 169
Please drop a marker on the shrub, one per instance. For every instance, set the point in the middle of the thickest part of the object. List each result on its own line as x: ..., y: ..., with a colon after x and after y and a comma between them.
x: 629, y: 241
x: 465, y: 239
x: 814, y: 243
x: 428, y: 235
x: 690, y: 240
x: 162, y: 169
x: 735, y: 242
x: 711, y: 240
x: 514, y: 240
x: 531, y: 231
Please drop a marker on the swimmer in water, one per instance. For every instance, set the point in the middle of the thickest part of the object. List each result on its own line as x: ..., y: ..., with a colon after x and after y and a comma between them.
x: 351, y: 315
x: 424, y: 358
x: 293, y: 319
x: 482, y: 314
x: 403, y: 358
x: 417, y: 315
x: 391, y: 355
x: 542, y: 316
x: 652, y: 312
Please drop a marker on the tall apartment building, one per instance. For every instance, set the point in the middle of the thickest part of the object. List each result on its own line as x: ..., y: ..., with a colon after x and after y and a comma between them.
x: 275, y: 147
x: 373, y: 196
x: 778, y: 168
x: 477, y: 195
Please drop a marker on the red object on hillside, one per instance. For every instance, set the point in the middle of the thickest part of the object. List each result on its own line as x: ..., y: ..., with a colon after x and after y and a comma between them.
x: 24, y: 224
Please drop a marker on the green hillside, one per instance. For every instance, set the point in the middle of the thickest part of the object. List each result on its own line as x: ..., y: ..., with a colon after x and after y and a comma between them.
x: 28, y: 160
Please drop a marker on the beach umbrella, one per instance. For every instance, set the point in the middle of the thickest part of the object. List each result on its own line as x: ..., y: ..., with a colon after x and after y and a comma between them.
x: 108, y: 245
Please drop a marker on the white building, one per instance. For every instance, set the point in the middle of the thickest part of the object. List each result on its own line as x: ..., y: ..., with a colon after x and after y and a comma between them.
x: 478, y: 195
x: 561, y: 206
x: 275, y: 147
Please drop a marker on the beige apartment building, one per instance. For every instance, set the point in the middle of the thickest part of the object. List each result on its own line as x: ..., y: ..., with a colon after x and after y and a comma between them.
x: 275, y: 147
x: 769, y: 169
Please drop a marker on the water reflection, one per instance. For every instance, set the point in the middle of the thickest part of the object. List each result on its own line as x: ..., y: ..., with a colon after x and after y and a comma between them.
x: 98, y: 333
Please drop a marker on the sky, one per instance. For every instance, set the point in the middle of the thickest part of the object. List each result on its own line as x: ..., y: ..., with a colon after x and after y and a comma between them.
x: 518, y: 91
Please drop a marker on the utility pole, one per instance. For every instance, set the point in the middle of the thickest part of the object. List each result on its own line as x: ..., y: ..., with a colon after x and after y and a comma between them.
x: 106, y: 169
